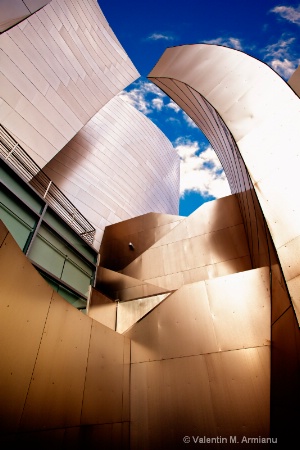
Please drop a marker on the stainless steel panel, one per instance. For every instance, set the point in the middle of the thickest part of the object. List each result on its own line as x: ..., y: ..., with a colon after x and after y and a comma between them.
x: 293, y: 287
x: 285, y: 374
x: 16, y: 77
x: 102, y: 309
x: 200, y: 254
x: 31, y: 114
x: 31, y: 52
x: 232, y: 266
x: 181, y: 325
x: 143, y: 231
x: 23, y: 63
x: 131, y: 312
x: 12, y: 13
x: 246, y: 119
x: 240, y: 391
x: 25, y: 300
x: 294, y: 81
x: 280, y: 297
x: 101, y: 140
x: 221, y: 394
x: 109, y: 436
x: 193, y: 320
x: 105, y: 382
x: 60, y: 369
x: 240, y: 305
x: 124, y: 288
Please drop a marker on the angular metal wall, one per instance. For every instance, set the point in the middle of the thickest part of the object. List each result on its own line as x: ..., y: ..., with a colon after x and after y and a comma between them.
x: 64, y: 378
x: 250, y: 115
x: 210, y: 242
x: 201, y: 364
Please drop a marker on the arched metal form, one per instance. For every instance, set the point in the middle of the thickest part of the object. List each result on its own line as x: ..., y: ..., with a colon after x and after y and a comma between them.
x: 251, y: 118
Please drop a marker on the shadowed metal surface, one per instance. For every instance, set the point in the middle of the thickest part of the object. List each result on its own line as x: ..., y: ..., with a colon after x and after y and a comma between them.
x: 209, y: 243
x: 124, y: 288
x: 64, y: 377
x: 142, y: 231
x: 201, y: 364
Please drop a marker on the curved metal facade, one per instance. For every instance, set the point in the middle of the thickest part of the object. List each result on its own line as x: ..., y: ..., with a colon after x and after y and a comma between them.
x: 14, y: 12
x: 251, y: 116
x: 120, y: 165
x: 61, y: 70
x: 58, y: 68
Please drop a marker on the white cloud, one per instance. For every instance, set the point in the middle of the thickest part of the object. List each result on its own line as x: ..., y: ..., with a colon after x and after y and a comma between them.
x: 280, y: 56
x: 173, y: 106
x: 160, y: 36
x: 280, y: 49
x: 173, y: 120
x: 289, y: 13
x: 189, y: 121
x: 284, y: 68
x: 200, y: 171
x: 227, y: 42
x: 137, y: 99
x: 157, y: 103
x: 145, y: 96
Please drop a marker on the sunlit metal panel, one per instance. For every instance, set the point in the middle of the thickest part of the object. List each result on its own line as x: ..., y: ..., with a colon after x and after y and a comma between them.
x: 119, y: 166
x: 59, y: 68
x: 231, y: 97
x: 23, y: 316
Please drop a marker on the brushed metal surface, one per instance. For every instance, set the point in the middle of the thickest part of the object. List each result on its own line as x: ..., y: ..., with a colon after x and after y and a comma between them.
x: 23, y: 315
x: 280, y: 297
x: 102, y: 309
x: 240, y: 305
x: 219, y: 394
x: 230, y: 96
x: 226, y: 313
x: 124, y: 288
x: 294, y: 81
x: 209, y: 243
x: 285, y: 367
x: 111, y: 436
x: 61, y: 55
x: 143, y: 231
x: 13, y: 12
x: 102, y: 150
x: 106, y: 378
x: 131, y: 312
x: 60, y: 369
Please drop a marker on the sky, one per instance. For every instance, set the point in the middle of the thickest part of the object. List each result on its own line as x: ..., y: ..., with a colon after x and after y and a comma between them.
x: 268, y: 30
